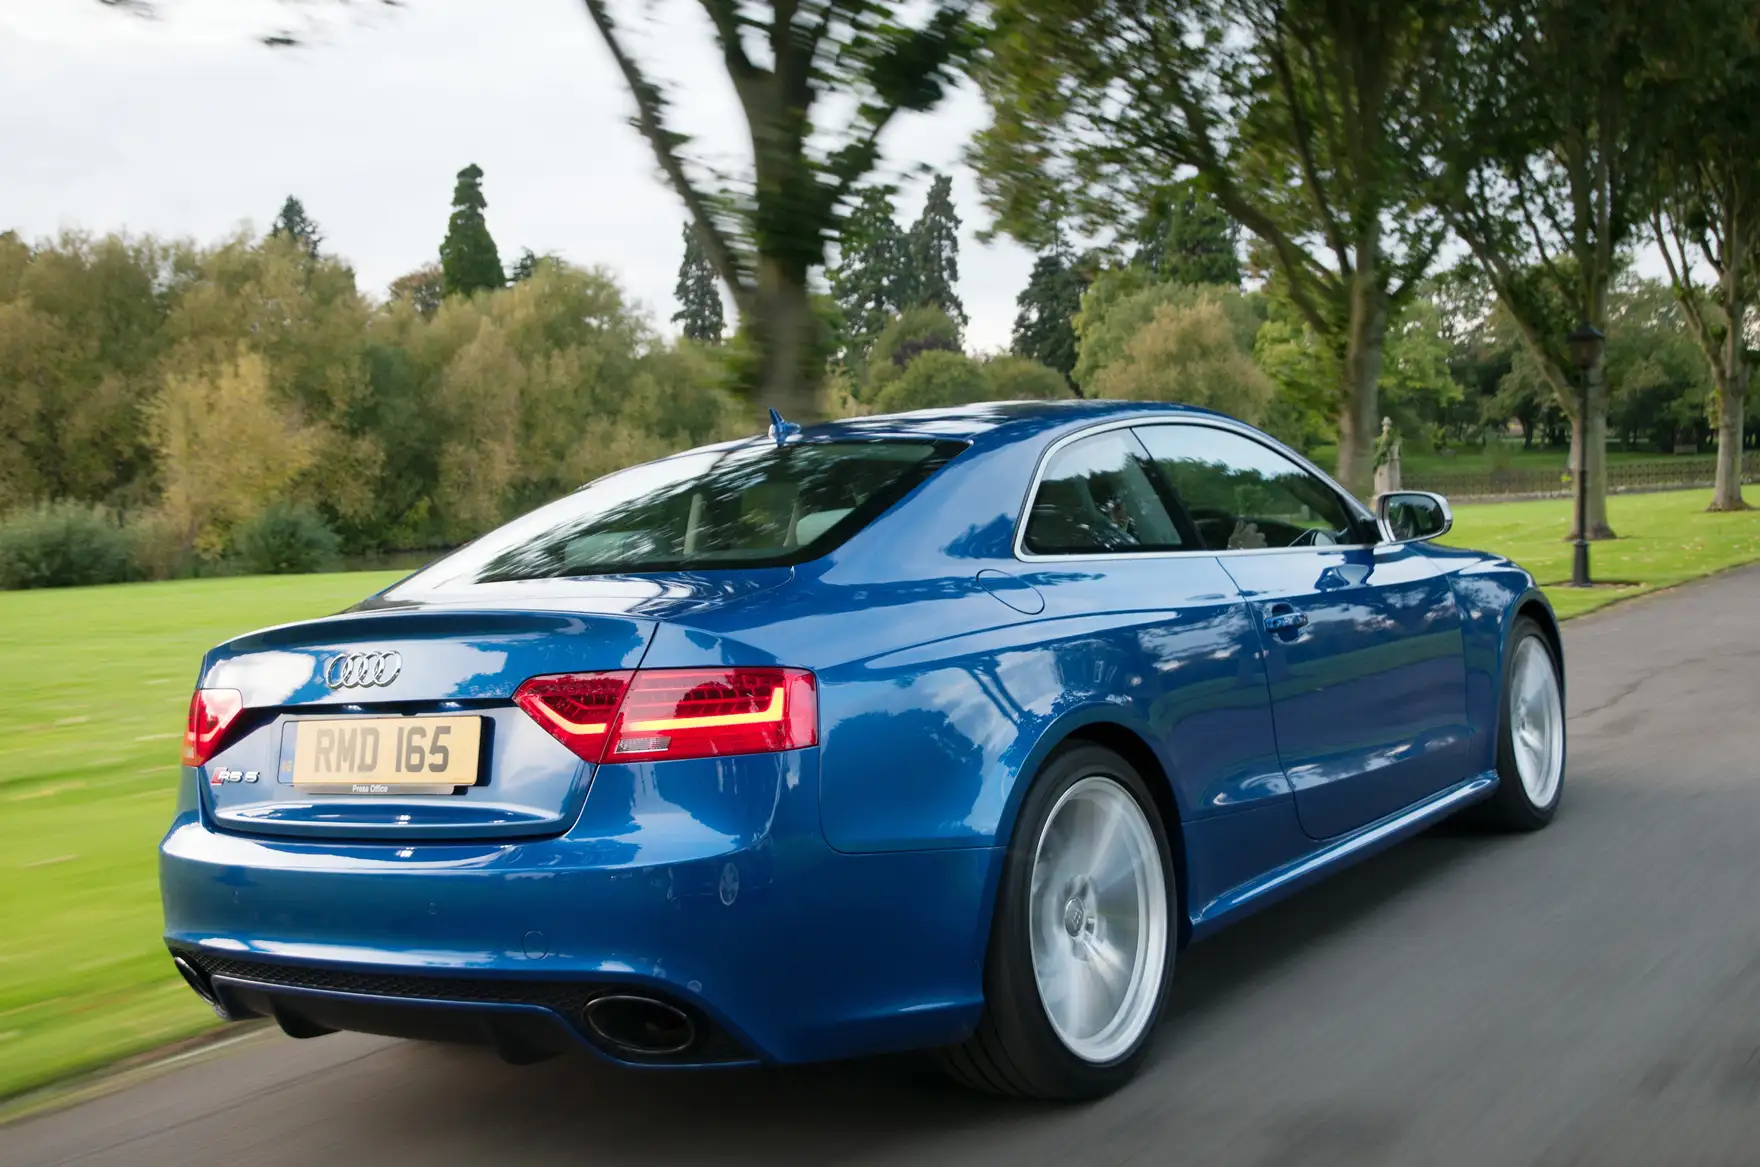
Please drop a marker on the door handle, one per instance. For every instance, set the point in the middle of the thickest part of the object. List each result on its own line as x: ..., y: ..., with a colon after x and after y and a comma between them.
x: 1284, y: 618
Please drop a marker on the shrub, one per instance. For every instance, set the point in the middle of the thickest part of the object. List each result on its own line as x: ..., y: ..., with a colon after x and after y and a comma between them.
x: 63, y: 544
x: 283, y: 539
x: 918, y: 331
x: 1021, y: 379
x: 934, y: 379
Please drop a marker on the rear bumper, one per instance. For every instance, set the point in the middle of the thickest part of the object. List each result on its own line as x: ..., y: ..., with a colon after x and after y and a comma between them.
x: 707, y: 884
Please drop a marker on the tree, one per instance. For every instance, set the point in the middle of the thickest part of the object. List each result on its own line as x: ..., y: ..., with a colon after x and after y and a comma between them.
x: 699, y: 300
x: 1185, y: 237
x: 526, y: 266
x: 871, y: 282
x: 1544, y: 126
x: 764, y: 238
x: 1191, y: 354
x: 468, y: 259
x: 1043, y: 327
x: 906, y: 337
x: 1709, y: 203
x: 423, y: 288
x: 225, y: 447
x: 293, y: 223
x: 934, y: 253
x: 1297, y: 116
x: 1122, y: 301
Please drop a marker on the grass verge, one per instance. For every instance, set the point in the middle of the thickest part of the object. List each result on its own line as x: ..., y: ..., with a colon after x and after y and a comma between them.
x: 94, y: 683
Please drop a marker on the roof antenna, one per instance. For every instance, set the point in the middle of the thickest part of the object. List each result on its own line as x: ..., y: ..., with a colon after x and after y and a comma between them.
x: 781, y: 431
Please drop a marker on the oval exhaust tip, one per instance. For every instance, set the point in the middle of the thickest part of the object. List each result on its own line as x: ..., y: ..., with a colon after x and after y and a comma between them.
x: 194, y: 978
x: 640, y: 1025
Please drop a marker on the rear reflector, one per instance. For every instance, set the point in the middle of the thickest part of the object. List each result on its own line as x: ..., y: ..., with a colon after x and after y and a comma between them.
x: 211, y: 714
x: 656, y: 714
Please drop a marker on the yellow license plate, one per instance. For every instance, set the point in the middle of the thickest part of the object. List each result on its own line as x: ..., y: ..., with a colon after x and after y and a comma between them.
x: 386, y: 755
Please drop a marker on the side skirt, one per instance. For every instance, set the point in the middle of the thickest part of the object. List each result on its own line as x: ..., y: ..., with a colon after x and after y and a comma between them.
x: 1262, y: 890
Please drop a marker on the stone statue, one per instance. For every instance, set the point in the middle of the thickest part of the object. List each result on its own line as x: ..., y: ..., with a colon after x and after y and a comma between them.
x: 1387, y: 474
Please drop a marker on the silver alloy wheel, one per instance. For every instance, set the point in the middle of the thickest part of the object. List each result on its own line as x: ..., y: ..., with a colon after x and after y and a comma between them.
x: 1098, y: 922
x: 1536, y: 719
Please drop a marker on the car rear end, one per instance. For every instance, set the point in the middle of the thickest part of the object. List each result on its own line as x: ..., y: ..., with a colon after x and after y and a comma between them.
x: 484, y: 808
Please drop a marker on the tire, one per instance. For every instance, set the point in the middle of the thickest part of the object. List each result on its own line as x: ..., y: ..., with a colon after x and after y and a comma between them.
x: 1041, y: 1043
x: 1530, y: 734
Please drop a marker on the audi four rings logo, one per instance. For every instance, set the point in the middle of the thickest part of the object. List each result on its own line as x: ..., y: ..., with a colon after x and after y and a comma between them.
x: 350, y: 670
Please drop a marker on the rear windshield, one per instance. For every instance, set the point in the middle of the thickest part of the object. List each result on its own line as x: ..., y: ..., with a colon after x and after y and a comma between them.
x: 756, y: 505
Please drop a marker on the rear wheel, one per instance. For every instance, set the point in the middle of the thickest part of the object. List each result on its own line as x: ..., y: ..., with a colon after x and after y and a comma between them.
x: 1081, y: 949
x: 1531, y: 734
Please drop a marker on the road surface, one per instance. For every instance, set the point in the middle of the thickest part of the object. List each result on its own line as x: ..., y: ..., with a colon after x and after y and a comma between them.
x: 1586, y: 995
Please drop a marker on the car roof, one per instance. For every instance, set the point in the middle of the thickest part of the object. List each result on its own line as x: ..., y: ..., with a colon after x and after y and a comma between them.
x: 1001, y: 420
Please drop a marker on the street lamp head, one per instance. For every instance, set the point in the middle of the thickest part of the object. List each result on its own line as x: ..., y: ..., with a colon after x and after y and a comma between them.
x: 1586, y: 342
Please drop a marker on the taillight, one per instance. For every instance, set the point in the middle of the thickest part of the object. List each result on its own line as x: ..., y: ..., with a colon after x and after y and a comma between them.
x: 656, y: 714
x: 577, y: 708
x: 211, y: 714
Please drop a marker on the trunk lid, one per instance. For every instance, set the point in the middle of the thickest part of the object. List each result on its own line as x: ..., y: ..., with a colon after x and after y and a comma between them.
x: 460, y: 655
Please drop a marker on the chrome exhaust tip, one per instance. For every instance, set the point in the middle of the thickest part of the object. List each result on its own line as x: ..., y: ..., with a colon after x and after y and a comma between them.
x: 638, y: 1025
x: 194, y: 979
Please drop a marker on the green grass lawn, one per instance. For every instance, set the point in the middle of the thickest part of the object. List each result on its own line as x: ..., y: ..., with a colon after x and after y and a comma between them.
x: 1665, y: 538
x: 94, y: 684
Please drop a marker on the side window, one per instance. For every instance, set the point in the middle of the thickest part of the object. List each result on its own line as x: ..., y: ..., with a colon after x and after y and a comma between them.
x: 1097, y: 495
x: 1242, y: 495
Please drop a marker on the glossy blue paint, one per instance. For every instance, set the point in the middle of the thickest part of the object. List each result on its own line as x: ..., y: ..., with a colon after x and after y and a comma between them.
x: 836, y: 900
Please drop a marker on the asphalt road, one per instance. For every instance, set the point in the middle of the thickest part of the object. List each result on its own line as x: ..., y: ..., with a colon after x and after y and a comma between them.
x: 1586, y: 995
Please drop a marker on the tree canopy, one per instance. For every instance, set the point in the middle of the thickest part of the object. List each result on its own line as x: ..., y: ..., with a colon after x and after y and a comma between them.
x: 699, y: 312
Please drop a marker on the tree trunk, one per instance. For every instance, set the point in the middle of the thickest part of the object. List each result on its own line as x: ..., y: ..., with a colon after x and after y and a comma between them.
x: 1732, y: 394
x: 1358, y: 423
x: 1727, y: 495
x: 784, y: 331
x: 1594, y: 429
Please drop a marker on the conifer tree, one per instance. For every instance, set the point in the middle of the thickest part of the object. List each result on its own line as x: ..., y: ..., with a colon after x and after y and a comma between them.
x: 293, y: 223
x: 700, y: 313
x: 467, y: 255
x: 934, y: 253
x: 871, y: 282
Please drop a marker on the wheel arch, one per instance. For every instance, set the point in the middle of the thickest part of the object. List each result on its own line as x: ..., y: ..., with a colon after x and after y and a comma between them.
x: 1130, y: 745
x: 1533, y: 604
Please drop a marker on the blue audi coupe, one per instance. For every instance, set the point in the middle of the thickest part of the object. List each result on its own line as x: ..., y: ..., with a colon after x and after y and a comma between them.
x: 940, y: 731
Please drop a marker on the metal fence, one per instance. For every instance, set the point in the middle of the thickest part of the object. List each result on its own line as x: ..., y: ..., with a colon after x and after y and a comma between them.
x: 1679, y: 473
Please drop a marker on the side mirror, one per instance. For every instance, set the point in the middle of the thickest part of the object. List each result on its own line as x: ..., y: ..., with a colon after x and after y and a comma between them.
x: 1412, y: 516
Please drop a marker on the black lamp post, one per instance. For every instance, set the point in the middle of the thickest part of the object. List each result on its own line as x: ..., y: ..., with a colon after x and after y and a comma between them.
x: 1586, y: 342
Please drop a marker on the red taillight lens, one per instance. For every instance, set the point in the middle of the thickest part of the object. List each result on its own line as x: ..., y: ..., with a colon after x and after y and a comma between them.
x: 577, y: 708
x: 657, y: 714
x: 211, y: 714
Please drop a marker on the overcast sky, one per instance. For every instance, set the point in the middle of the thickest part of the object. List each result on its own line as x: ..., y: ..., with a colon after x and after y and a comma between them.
x: 186, y: 125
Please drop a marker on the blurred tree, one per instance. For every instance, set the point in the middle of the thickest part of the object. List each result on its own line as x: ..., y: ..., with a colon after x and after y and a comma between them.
x: 226, y: 448
x: 1188, y: 353
x: 1297, y: 115
x: 934, y: 253
x: 423, y: 289
x: 906, y: 337
x: 1123, y: 300
x: 1185, y: 237
x: 1019, y: 379
x: 82, y: 329
x: 294, y: 224
x: 699, y: 300
x: 525, y: 266
x: 1044, y: 328
x: 875, y: 59
x: 872, y: 280
x: 468, y: 259
x: 931, y: 379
